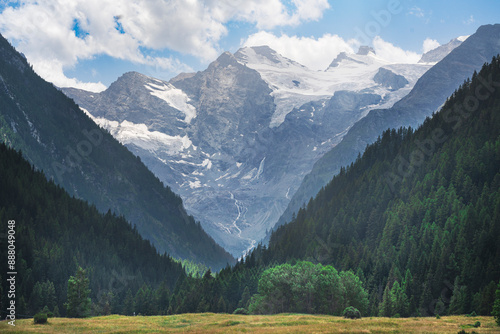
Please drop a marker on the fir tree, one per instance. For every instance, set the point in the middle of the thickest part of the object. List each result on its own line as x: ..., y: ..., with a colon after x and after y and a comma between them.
x: 78, y: 305
x: 385, y: 307
x: 496, y: 306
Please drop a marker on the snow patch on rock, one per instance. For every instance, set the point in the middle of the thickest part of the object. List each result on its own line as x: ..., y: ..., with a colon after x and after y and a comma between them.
x: 175, y: 98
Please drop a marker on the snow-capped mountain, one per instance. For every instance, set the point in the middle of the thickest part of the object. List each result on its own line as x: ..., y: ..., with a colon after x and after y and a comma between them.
x: 236, y: 140
x: 293, y: 84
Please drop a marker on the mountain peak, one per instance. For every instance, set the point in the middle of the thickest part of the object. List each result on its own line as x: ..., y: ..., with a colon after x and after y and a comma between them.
x: 343, y: 56
x: 134, y: 76
x: 123, y: 81
x: 263, y: 54
x: 364, y: 50
x: 262, y: 51
x: 267, y: 52
x: 225, y: 59
x: 437, y: 54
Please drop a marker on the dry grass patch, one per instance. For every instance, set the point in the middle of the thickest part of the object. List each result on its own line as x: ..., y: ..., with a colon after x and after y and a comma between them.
x: 226, y: 323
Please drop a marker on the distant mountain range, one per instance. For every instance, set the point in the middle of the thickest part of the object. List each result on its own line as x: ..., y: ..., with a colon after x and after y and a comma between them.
x: 236, y: 139
x: 56, y: 136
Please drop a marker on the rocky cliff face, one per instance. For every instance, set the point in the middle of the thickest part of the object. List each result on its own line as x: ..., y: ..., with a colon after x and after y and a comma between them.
x: 236, y: 139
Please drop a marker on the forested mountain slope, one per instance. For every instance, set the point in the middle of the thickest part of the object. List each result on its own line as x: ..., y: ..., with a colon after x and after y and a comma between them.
x: 58, y: 138
x: 426, y: 97
x: 420, y: 208
x: 55, y: 233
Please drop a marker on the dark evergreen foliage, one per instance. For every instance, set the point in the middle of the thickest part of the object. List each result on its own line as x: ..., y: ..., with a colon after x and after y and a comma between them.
x: 55, y: 234
x: 40, y: 318
x: 79, y: 302
x: 496, y: 306
x: 351, y: 313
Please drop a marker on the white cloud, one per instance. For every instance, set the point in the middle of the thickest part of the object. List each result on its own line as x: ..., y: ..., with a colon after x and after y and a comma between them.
x: 43, y: 30
x: 469, y: 21
x: 429, y: 44
x: 52, y: 71
x: 417, y: 11
x: 268, y: 14
x: 394, y: 54
x: 420, y: 14
x: 316, y: 54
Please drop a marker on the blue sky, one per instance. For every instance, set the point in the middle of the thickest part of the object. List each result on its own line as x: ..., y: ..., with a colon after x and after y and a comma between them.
x: 89, y: 43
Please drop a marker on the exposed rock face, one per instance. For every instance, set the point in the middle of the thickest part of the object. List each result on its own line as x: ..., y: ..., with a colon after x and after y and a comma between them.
x: 389, y: 79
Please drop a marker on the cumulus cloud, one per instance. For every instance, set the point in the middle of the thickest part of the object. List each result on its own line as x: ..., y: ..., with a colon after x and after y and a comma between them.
x: 55, y: 35
x: 394, y: 54
x: 314, y: 53
x: 318, y: 53
x: 429, y: 44
x: 268, y: 14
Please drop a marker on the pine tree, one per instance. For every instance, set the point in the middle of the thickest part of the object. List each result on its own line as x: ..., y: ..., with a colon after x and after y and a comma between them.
x: 128, y: 303
x: 400, y: 304
x: 459, y: 299
x: 221, y: 305
x: 78, y: 304
x: 245, y: 298
x: 385, y: 307
x: 496, y: 306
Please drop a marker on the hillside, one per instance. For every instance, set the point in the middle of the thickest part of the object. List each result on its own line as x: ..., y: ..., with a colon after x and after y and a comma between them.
x: 56, y: 233
x: 418, y: 214
x: 426, y: 97
x: 57, y: 137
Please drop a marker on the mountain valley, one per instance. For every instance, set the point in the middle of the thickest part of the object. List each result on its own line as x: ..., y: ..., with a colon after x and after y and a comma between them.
x: 236, y: 139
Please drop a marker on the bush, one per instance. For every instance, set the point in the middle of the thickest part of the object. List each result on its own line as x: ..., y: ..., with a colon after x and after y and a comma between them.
x: 473, y: 314
x: 477, y: 324
x: 351, y: 313
x: 241, y: 310
x: 40, y: 318
x: 438, y: 316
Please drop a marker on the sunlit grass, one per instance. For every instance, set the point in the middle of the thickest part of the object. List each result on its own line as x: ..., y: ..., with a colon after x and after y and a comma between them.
x: 225, y: 323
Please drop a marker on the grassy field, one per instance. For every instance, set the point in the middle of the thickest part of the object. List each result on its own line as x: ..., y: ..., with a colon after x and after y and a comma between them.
x: 225, y: 323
